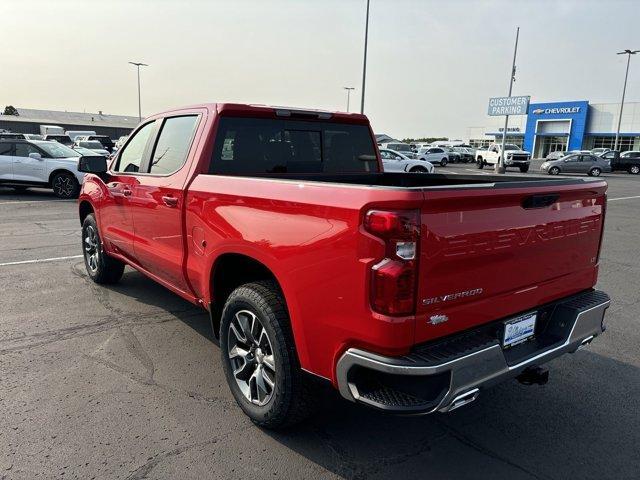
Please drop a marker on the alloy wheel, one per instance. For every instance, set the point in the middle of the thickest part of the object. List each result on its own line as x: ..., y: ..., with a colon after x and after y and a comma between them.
x: 63, y: 186
x: 91, y: 248
x: 251, y: 357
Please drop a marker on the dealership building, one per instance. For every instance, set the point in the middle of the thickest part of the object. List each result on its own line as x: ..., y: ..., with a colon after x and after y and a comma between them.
x: 573, y: 125
x: 28, y: 120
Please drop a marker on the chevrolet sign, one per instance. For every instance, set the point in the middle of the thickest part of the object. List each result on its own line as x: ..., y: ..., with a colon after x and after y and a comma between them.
x: 508, y: 105
x: 556, y: 111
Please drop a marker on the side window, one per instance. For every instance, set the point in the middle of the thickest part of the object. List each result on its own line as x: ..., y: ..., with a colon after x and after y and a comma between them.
x: 130, y: 158
x: 384, y: 154
x: 24, y: 149
x: 173, y: 144
x: 6, y: 148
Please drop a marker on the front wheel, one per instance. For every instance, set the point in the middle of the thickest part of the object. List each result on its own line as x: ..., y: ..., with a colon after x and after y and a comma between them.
x: 595, y: 172
x: 634, y: 169
x: 554, y: 171
x: 480, y: 163
x: 259, y: 357
x: 101, y: 267
x: 65, y: 185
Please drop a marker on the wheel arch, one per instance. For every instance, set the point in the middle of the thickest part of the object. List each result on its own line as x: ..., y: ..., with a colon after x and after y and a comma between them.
x: 84, y: 209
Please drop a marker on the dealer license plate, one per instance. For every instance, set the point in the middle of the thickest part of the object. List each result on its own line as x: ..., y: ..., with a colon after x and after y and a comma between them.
x: 519, y: 330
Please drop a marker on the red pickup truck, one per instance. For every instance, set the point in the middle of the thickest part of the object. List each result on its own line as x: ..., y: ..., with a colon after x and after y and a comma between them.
x: 407, y: 292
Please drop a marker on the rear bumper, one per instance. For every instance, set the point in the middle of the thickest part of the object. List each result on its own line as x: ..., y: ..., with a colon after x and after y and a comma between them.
x: 449, y: 373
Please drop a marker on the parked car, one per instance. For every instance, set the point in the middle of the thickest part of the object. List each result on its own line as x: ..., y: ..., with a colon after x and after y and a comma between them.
x: 11, y: 136
x: 453, y: 154
x: 26, y: 163
x: 33, y: 136
x: 51, y: 130
x: 393, y: 288
x: 556, y: 155
x: 393, y: 161
x: 74, y: 134
x: 93, y: 145
x: 120, y: 142
x: 403, y: 148
x: 585, y: 152
x: 599, y: 151
x: 434, y: 155
x: 105, y: 140
x: 626, y: 161
x: 587, y: 163
x: 514, y: 156
x: 467, y: 154
x: 85, y: 152
x: 60, y: 138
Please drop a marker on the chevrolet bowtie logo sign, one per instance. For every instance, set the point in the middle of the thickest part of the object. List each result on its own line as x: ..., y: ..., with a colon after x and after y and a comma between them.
x: 538, y: 111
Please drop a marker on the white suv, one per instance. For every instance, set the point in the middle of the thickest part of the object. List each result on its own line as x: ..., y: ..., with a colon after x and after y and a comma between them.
x: 434, y: 155
x: 45, y: 164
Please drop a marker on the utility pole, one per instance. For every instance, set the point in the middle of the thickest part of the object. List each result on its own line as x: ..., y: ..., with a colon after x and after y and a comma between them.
x: 348, y: 89
x: 364, y: 67
x: 628, y: 53
x: 500, y: 167
x: 138, y: 64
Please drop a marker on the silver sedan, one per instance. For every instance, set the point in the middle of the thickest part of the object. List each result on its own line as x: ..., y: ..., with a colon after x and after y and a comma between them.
x: 577, y: 163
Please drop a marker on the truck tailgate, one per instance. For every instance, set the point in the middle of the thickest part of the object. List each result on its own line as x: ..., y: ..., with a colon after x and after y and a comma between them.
x: 490, y: 253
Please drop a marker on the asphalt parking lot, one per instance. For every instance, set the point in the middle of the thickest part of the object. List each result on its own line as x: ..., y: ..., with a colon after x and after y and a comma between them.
x: 125, y: 382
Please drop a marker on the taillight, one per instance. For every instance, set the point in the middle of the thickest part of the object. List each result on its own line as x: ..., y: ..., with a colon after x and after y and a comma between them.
x: 393, y: 279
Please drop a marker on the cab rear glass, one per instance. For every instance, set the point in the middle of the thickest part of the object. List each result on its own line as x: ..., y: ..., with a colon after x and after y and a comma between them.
x: 246, y: 146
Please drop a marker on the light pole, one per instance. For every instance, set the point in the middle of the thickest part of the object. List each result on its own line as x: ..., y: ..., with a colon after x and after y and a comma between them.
x: 500, y: 168
x: 348, y: 89
x: 138, y: 65
x: 364, y: 67
x: 628, y: 53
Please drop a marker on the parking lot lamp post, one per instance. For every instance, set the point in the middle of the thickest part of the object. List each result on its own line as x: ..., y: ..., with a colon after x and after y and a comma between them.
x: 628, y: 53
x: 348, y: 89
x: 138, y: 65
x: 364, y: 66
x: 500, y: 168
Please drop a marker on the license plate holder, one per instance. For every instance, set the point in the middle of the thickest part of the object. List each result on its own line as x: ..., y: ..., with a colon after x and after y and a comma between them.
x: 518, y: 330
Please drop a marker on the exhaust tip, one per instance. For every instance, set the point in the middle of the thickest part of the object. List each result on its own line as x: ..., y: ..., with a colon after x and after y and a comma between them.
x: 462, y: 400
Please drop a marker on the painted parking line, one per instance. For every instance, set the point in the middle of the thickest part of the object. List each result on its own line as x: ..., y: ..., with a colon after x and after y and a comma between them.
x: 622, y: 198
x: 34, y: 201
x: 40, y: 260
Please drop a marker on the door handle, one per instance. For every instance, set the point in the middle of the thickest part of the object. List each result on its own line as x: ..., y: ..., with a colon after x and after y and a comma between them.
x: 170, y: 201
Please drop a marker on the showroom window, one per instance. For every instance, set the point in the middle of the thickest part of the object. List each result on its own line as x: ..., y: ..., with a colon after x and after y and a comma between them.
x: 625, y: 143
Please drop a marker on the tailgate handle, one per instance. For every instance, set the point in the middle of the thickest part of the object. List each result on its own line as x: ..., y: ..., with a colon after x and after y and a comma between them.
x: 540, y: 201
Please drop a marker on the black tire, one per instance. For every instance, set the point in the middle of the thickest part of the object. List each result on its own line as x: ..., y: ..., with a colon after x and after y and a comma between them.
x: 554, y: 171
x: 443, y: 162
x: 480, y: 163
x: 595, y: 172
x: 65, y: 185
x: 524, y: 169
x: 101, y: 268
x: 291, y: 398
x: 634, y: 169
x: 418, y: 170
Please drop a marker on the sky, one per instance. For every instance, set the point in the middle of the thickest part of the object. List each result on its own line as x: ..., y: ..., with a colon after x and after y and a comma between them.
x: 431, y: 68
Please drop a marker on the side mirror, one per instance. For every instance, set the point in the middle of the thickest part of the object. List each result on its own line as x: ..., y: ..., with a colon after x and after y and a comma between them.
x: 97, y: 165
x: 35, y: 155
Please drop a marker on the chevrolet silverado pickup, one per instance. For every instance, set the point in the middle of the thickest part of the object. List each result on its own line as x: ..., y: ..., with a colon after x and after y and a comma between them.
x: 406, y: 293
x: 514, y: 157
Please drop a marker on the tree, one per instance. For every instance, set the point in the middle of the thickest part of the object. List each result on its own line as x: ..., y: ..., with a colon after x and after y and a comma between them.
x: 11, y: 110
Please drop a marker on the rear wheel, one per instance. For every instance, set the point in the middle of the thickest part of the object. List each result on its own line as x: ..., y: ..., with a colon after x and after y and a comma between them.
x: 101, y: 267
x: 554, y: 171
x: 259, y: 357
x: 443, y: 162
x: 480, y: 163
x: 418, y: 170
x: 634, y: 169
x: 65, y: 185
x: 595, y: 172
